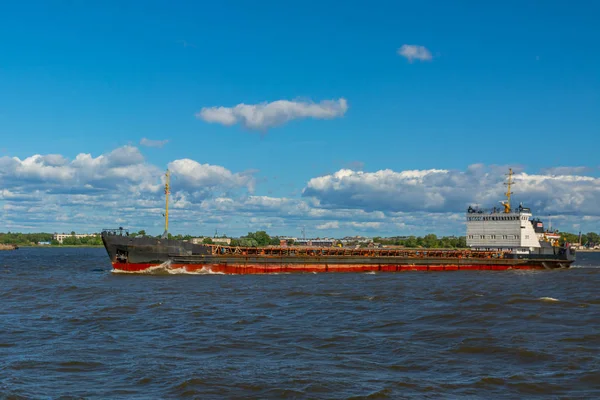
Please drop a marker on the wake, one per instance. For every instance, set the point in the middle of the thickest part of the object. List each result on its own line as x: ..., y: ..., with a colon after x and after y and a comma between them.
x: 166, y: 269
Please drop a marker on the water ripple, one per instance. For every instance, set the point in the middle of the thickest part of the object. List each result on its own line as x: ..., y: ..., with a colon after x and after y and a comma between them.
x: 71, y: 329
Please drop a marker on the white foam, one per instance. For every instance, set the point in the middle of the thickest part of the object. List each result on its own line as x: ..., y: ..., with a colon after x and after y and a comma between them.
x: 371, y: 273
x: 202, y: 271
x: 548, y: 299
x: 154, y: 269
x: 177, y: 271
x: 206, y: 271
x: 165, y: 268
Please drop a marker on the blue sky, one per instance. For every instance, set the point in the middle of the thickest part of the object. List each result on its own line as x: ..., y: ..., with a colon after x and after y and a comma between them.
x: 500, y: 83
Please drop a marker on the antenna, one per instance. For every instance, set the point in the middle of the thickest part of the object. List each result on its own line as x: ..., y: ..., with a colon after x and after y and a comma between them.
x: 303, y: 231
x: 508, y: 193
x: 167, y: 191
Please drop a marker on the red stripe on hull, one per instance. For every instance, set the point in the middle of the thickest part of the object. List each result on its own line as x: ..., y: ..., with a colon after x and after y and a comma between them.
x: 287, y: 268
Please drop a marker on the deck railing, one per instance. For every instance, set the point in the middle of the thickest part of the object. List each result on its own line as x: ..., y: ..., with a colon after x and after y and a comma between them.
x: 218, y: 250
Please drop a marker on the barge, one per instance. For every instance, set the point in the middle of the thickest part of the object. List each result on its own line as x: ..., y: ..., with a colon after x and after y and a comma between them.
x: 500, y: 239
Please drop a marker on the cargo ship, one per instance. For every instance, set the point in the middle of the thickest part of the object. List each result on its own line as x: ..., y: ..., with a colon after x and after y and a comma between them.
x: 499, y: 239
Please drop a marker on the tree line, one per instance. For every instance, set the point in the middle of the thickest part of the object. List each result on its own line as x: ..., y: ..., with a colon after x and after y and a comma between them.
x: 252, y: 239
x: 430, y: 241
x: 589, y: 239
x: 32, y: 239
x: 262, y: 238
x: 24, y: 239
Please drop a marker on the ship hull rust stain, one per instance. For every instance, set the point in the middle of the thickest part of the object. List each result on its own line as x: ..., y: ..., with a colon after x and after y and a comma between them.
x: 241, y: 269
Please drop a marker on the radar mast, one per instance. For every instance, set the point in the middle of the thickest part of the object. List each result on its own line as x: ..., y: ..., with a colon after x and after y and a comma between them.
x: 167, y: 191
x: 508, y: 193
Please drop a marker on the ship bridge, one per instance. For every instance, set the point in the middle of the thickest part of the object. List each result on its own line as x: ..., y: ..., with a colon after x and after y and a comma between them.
x: 512, y: 231
x: 502, y: 229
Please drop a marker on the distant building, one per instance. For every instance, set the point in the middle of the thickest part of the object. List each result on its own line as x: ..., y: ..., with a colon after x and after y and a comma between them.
x: 217, y: 240
x: 315, y: 242
x: 348, y: 240
x: 59, y: 237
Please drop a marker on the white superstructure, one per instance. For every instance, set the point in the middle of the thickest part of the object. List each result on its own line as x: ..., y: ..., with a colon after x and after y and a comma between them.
x: 502, y: 230
x: 512, y: 231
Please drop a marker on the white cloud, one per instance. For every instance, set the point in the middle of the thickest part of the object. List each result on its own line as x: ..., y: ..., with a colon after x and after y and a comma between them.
x: 55, y: 170
x: 566, y: 171
x: 366, y: 225
x: 91, y: 192
x: 452, y: 191
x: 194, y: 176
x: 352, y: 225
x: 329, y: 225
x: 54, y: 160
x: 383, y: 190
x: 414, y: 52
x: 153, y: 143
x: 122, y: 157
x: 268, y: 115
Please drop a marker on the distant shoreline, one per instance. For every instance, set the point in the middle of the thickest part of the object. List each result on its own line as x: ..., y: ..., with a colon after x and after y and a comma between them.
x: 101, y: 246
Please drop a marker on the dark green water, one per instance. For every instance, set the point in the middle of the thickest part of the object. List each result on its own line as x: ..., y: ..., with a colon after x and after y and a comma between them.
x: 69, y: 327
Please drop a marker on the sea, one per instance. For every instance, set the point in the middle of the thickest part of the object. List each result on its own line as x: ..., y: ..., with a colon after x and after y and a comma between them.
x: 71, y: 329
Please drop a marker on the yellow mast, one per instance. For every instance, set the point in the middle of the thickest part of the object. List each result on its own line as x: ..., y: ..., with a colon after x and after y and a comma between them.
x: 508, y: 192
x: 167, y: 188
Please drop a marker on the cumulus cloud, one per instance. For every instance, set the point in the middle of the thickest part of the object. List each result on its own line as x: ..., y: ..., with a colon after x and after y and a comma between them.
x: 153, y: 143
x: 122, y: 157
x: 566, y: 171
x: 366, y: 225
x: 452, y: 191
x: 84, y: 172
x: 202, y: 177
x: 268, y: 115
x: 351, y: 225
x: 329, y: 225
x: 91, y: 192
x: 88, y: 190
x: 414, y: 52
x: 384, y: 190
